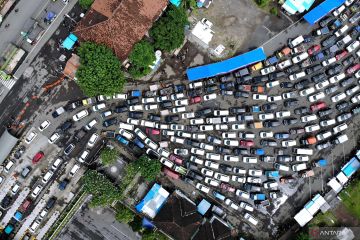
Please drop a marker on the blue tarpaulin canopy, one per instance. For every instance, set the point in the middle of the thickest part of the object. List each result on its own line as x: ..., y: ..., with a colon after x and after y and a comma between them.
x: 322, y: 10
x: 226, y: 66
x: 50, y: 16
x: 70, y: 41
x: 351, y: 167
x: 203, y: 207
x: 176, y: 2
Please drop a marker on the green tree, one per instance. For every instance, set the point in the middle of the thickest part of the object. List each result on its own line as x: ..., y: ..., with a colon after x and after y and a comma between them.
x: 262, y: 3
x: 99, y: 71
x: 108, y: 156
x: 151, y: 235
x: 274, y: 11
x: 141, y: 57
x: 123, y: 214
x: 101, y: 188
x: 86, y: 3
x: 148, y: 168
x: 168, y: 32
x: 302, y: 236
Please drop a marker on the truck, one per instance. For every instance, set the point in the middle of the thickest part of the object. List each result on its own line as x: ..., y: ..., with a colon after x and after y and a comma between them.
x: 320, y: 163
x: 257, y: 196
x: 272, y: 60
x: 166, y: 91
x: 298, y: 49
x: 255, y: 109
x: 218, y: 195
x: 258, y: 89
x: 322, y: 31
x: 180, y: 169
x: 307, y: 173
x: 309, y: 140
x: 286, y: 51
x: 272, y: 174
x: 135, y: 93
x: 257, y: 151
x: 257, y: 125
x: 336, y: 24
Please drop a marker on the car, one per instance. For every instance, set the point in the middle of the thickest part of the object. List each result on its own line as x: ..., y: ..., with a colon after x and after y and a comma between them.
x: 69, y: 149
x: 353, y: 68
x: 282, y: 135
x: 80, y: 115
x: 297, y: 131
x: 268, y: 143
x: 347, y: 81
x: 297, y: 75
x: 317, y: 106
x: 344, y: 117
x: 271, y: 123
x: 302, y: 84
x: 109, y: 122
x: 36, y: 191
x: 314, y: 49
x: 264, y: 134
x: 202, y: 188
x: 30, y: 137
x: 286, y: 85
x: 300, y: 57
x: 282, y: 114
x: 229, y: 142
x: 266, y: 116
x: 338, y: 97
x: 274, y: 98
x: 291, y: 103
x: 45, y: 124
x: 38, y: 156
x: 312, y: 128
x: 267, y: 70
x: 331, y: 89
x: 325, y: 112
x: 209, y: 97
x: 301, y: 110
x: 354, y: 45
x: 317, y: 96
x: 334, y: 70
x: 322, y: 84
x: 290, y: 121
x: 194, y: 100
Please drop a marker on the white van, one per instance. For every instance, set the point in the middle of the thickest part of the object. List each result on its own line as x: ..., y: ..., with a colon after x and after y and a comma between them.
x: 146, y: 123
x: 126, y: 134
x: 80, y: 115
x: 99, y: 107
x: 341, y: 139
x: 74, y: 169
x: 138, y: 132
x: 127, y: 126
x: 36, y: 191
x: 151, y: 144
x: 166, y: 162
x: 251, y: 219
x: 303, y: 151
x: 8, y: 166
x: 34, y: 225
x: 47, y: 176
x: 298, y: 167
x: 56, y: 163
x: 296, y: 41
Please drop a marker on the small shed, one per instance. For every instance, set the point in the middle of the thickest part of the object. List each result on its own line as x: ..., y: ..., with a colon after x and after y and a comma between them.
x: 70, y: 41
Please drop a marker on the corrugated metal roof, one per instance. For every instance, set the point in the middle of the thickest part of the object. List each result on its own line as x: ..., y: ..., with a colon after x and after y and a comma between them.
x: 7, y: 143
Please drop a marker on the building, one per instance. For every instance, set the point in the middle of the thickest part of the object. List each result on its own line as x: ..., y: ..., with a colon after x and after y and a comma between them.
x: 119, y: 24
x: 72, y: 66
x: 7, y: 143
x: 297, y: 6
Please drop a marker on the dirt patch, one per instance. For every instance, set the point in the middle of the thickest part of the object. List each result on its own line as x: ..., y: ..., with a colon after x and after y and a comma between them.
x: 345, y: 218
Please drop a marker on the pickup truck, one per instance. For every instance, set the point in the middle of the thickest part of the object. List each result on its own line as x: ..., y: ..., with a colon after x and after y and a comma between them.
x: 256, y: 125
x: 318, y: 57
x: 272, y: 60
x: 257, y: 196
x: 258, y: 89
x: 298, y: 49
x: 335, y: 24
x: 322, y: 31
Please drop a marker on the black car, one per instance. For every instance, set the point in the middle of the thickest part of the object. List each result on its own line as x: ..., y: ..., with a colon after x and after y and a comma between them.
x: 227, y: 92
x: 152, y: 154
x: 291, y: 103
x: 136, y: 115
x: 222, y: 150
x: 269, y: 107
x: 293, y: 68
x: 203, y: 112
x: 166, y: 104
x: 241, y: 94
x: 195, y: 176
x: 302, y: 84
x: 6, y: 202
x: 225, y: 167
x: 335, y: 69
x: 268, y: 143
x: 133, y: 101
x: 194, y: 92
x: 109, y: 122
x: 121, y: 109
x: 324, y: 22
x: 297, y: 131
x: 348, y: 61
x: 301, y: 110
x: 313, y: 69
x: 66, y: 126
x: 72, y: 105
x: 241, y: 151
x: 318, y: 77
x: 325, y: 112
x: 50, y: 203
x: 226, y: 86
x: 211, y: 89
x: 331, y: 89
x: 308, y: 39
x: 172, y: 118
x: 242, y: 80
x: 271, y: 123
x: 154, y: 117
x: 69, y: 148
x: 275, y: 75
x: 286, y: 85
x: 328, y: 41
x: 290, y: 121
x: 347, y: 81
x: 235, y: 110
x: 260, y: 79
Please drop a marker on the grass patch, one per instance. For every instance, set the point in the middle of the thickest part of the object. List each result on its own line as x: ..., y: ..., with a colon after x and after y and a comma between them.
x: 262, y: 3
x: 350, y: 198
x: 324, y: 220
x: 274, y: 11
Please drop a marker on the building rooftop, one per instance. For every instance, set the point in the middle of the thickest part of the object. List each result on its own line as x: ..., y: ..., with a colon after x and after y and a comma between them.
x: 119, y: 24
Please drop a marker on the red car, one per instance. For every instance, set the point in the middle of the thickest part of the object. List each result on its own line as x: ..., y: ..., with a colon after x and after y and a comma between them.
x: 168, y: 172
x: 247, y: 143
x: 341, y: 55
x: 152, y: 131
x: 194, y: 100
x: 176, y: 159
x: 314, y: 49
x: 353, y: 69
x: 317, y: 106
x: 227, y: 187
x: 37, y: 157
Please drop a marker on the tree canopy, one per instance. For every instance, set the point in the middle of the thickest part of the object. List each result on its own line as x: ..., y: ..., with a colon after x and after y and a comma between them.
x: 101, y: 188
x: 86, y: 3
x: 108, y: 156
x: 141, y: 57
x: 123, y: 214
x: 148, y: 168
x: 168, y: 32
x: 99, y: 72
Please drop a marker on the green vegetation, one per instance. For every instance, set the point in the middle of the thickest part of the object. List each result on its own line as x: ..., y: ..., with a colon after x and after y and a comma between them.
x: 324, y: 220
x: 262, y: 3
x: 303, y: 236
x: 350, y: 198
x: 124, y: 214
x: 108, y: 156
x: 148, y: 168
x: 86, y: 3
x: 99, y: 71
x: 274, y: 11
x: 100, y: 187
x: 151, y: 235
x: 141, y: 57
x: 168, y: 32
x: 190, y: 4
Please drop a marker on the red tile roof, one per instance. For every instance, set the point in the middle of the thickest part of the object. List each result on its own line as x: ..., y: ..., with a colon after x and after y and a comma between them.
x: 119, y: 24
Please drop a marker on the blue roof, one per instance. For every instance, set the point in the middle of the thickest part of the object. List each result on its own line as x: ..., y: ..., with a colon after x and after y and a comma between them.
x: 146, y: 223
x: 203, y: 207
x: 176, y: 2
x: 226, y: 66
x: 153, y: 201
x: 70, y: 41
x: 322, y: 10
x: 351, y: 167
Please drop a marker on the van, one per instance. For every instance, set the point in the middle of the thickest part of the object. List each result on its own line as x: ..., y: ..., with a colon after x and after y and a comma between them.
x: 251, y: 219
x: 74, y: 169
x: 91, y: 124
x: 36, y: 191
x: 80, y: 115
x: 296, y: 41
x: 56, y: 163
x: 8, y: 166
x: 341, y: 139
x: 303, y: 151
x: 146, y: 123
x: 34, y: 226
x: 281, y: 167
x: 99, y: 107
x: 151, y: 144
x: 298, y: 167
x: 127, y: 126
x: 47, y: 176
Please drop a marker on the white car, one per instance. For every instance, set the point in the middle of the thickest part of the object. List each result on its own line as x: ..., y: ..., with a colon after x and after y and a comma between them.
x: 253, y: 180
x: 162, y: 98
x: 197, y: 121
x: 80, y: 115
x: 274, y: 98
x: 328, y: 61
x: 178, y: 109
x: 255, y: 172
x: 316, y: 96
x: 202, y: 188
x: 222, y: 177
x: 212, y: 182
x: 251, y: 219
x: 349, y: 2
x: 84, y: 156
x: 231, y: 158
x: 288, y: 143
x: 322, y: 84
x: 300, y: 57
x: 338, y: 97
x: 212, y: 165
x: 242, y: 194
x: 272, y: 84
x: 204, y: 128
x: 271, y: 185
x: 30, y: 137
x: 265, y: 134
x: 237, y: 126
x: 308, y: 118
x: 355, y: 98
x: 232, y: 135
x: 197, y: 151
x: 182, y: 102
x: 284, y: 64
x: 188, y: 115
x: 261, y: 97
x: 195, y: 85
x: 93, y: 139
x: 53, y: 138
x: 151, y: 107
x: 282, y: 114
x: 337, y: 78
x: 238, y: 179
x: 230, y: 203
x: 221, y: 113
x: 354, y: 45
x: 327, y: 122
x: 122, y: 96
x: 45, y: 124
x: 221, y: 127
x: 177, y: 127
x: 207, y: 172
x: 312, y: 128
x: 199, y: 136
x: 148, y: 100
x: 267, y: 70
x: 246, y: 206
x: 323, y: 135
x: 266, y: 116
x: 296, y: 76
x: 231, y: 142
x: 209, y: 97
x: 177, y: 96
x: 128, y: 135
x: 181, y: 151
x: 352, y: 90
